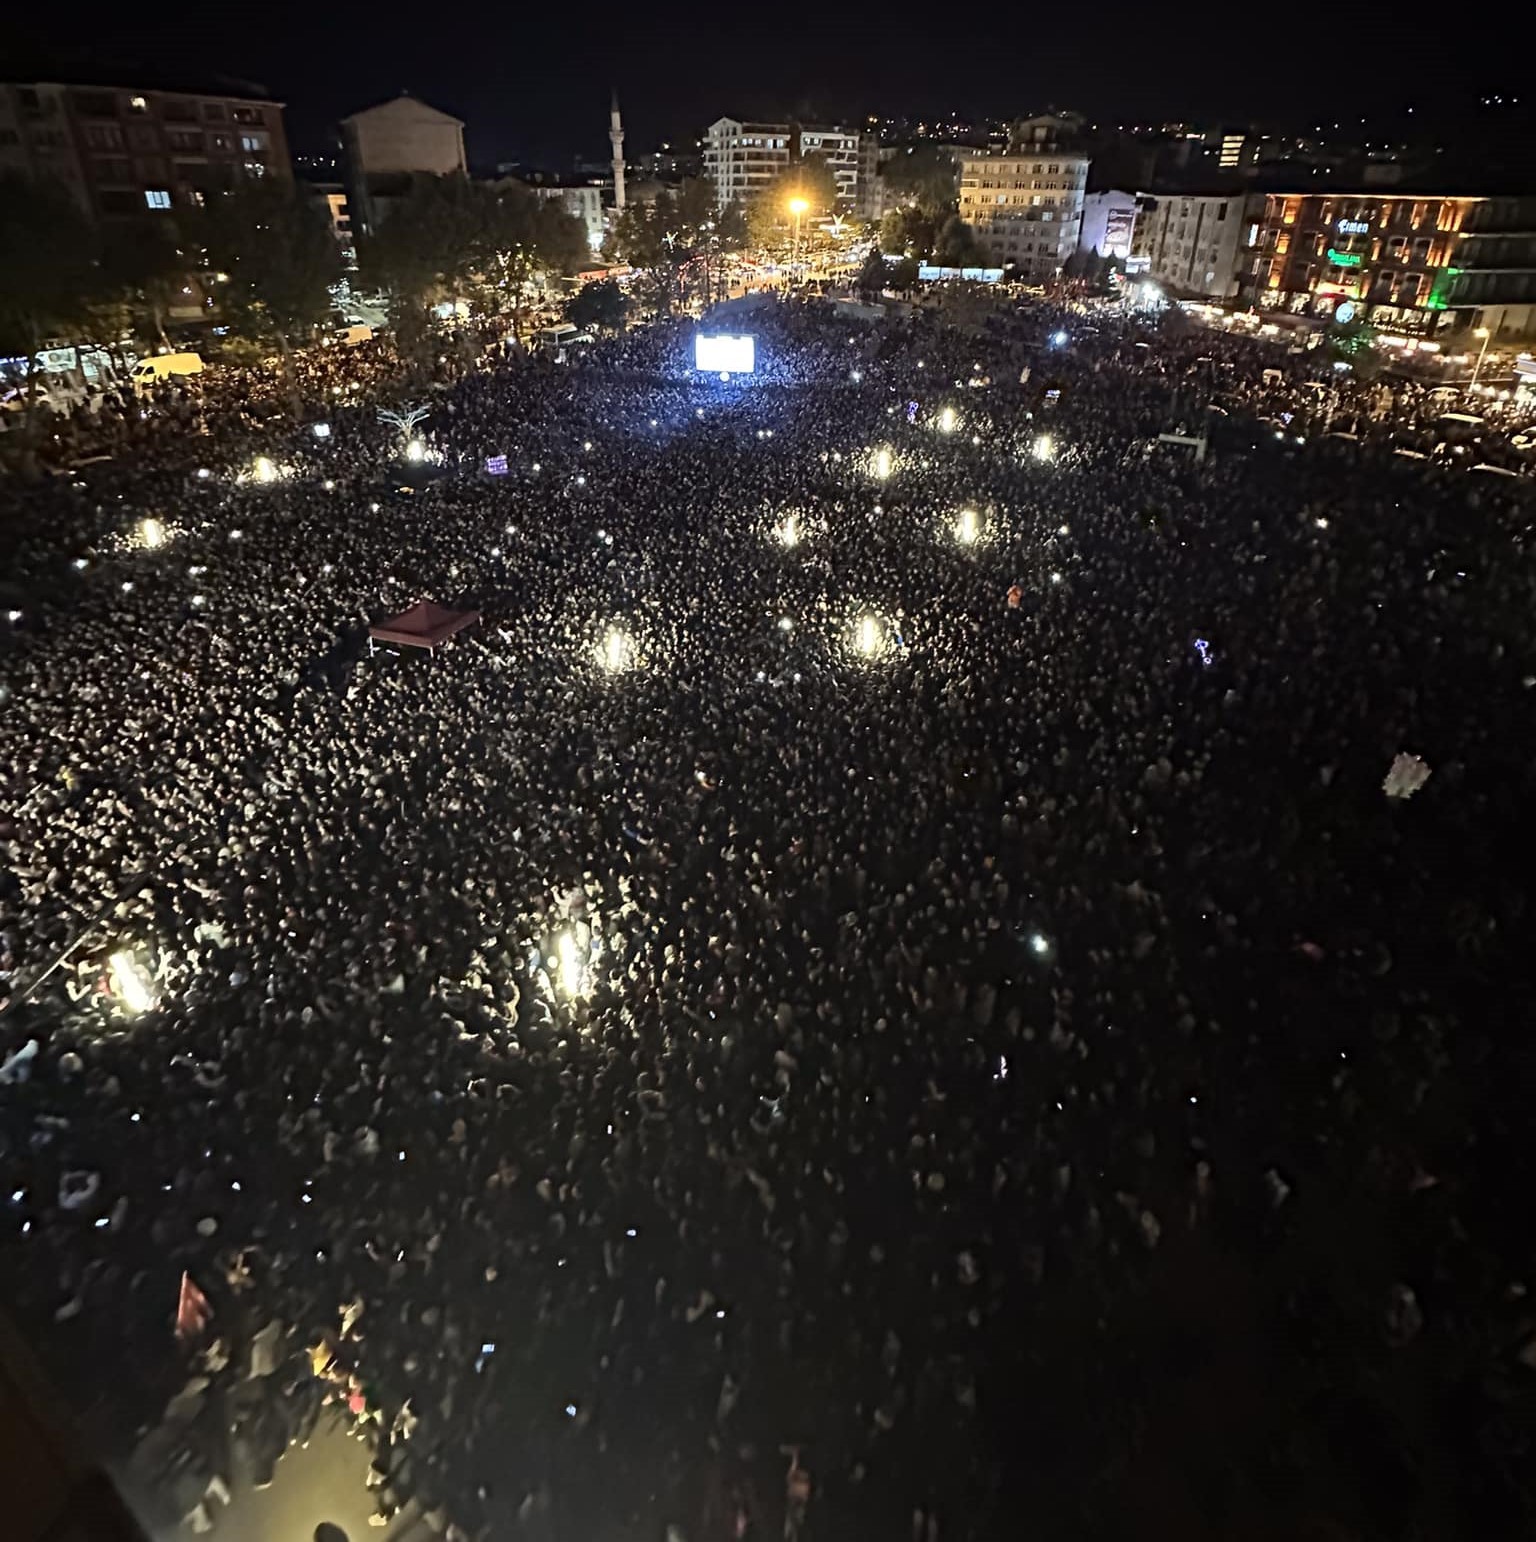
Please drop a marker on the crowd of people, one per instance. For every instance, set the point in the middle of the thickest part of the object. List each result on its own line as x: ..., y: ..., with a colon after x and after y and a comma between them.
x: 878, y: 991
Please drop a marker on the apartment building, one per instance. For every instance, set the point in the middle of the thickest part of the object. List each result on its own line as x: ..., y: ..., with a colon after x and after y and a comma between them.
x: 123, y: 151
x: 741, y: 159
x: 1027, y: 210
x: 1195, y: 244
x: 1410, y: 262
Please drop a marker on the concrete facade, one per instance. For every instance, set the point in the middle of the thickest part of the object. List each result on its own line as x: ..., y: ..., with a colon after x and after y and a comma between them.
x: 1026, y: 210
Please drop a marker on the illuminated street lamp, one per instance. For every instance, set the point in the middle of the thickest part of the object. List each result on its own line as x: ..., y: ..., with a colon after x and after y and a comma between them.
x: 1482, y: 353
x: 797, y: 207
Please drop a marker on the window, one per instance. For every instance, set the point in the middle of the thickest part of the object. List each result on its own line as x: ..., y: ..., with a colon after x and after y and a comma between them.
x: 179, y: 112
x: 254, y: 144
x: 103, y: 136
x: 213, y: 112
x: 247, y: 115
x: 118, y: 201
x: 255, y: 169
x: 1221, y: 211
x: 185, y: 139
x: 96, y: 104
x: 224, y: 142
x: 156, y: 198
x: 112, y: 168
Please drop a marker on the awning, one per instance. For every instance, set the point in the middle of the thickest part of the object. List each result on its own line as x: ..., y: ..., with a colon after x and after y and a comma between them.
x: 424, y: 625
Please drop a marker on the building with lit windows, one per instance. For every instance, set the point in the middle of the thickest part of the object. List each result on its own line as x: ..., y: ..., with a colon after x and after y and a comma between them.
x: 123, y: 152
x: 1195, y: 244
x: 1408, y: 262
x: 1026, y: 210
x: 741, y: 159
x: 839, y: 148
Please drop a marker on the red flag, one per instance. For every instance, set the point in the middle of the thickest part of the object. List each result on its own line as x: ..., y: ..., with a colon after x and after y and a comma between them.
x: 192, y: 1309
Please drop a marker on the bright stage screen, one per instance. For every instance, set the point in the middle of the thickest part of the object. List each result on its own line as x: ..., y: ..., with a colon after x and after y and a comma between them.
x: 723, y: 353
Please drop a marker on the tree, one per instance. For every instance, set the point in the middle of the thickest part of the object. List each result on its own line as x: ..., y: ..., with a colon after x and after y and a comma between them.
x: 664, y: 237
x: 924, y: 177
x: 908, y: 231
x: 281, y: 258
x: 142, y: 268
x: 956, y: 246
x: 874, y: 275
x: 904, y: 276
x: 450, y: 239
x: 603, y: 304
x: 48, y: 269
x: 808, y: 180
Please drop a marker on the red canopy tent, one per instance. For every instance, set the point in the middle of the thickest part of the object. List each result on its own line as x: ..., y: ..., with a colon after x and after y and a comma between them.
x: 424, y: 625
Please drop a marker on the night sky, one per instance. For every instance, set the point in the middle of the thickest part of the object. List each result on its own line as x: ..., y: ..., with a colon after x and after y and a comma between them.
x: 532, y: 82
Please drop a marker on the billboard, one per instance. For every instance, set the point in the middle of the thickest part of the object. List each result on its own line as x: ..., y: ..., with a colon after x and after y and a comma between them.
x: 724, y: 353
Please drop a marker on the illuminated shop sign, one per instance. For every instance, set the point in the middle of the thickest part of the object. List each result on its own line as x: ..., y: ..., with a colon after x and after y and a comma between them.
x: 1344, y: 259
x: 1354, y: 227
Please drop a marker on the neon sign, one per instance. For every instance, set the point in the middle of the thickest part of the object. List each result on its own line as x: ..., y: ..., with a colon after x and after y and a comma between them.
x: 1344, y: 259
x: 1354, y: 227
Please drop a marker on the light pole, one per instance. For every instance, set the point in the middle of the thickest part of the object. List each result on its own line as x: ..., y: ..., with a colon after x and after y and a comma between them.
x: 1482, y: 353
x: 797, y: 207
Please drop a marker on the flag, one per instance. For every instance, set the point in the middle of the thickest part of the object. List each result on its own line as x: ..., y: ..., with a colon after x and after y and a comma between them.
x: 192, y: 1309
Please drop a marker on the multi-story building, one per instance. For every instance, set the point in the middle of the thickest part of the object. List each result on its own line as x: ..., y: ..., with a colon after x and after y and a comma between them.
x: 1411, y: 262
x: 385, y: 146
x: 584, y: 200
x: 1027, y: 210
x: 124, y: 152
x: 1196, y: 243
x: 839, y: 148
x: 742, y: 159
x: 1109, y: 223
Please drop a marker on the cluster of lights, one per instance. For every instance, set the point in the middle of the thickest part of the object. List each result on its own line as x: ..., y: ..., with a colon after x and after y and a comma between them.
x: 968, y: 527
x: 869, y: 636
x: 416, y: 451
x: 152, y: 533
x: 949, y: 420
x: 617, y: 652
x: 264, y: 471
x: 129, y: 982
x: 1044, y: 448
x: 882, y: 463
x: 576, y: 953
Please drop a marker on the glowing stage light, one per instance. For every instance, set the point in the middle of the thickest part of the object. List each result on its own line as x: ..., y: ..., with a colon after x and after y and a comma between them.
x: 883, y: 463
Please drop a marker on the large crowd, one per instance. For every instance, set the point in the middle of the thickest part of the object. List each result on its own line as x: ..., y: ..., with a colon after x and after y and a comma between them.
x: 877, y: 992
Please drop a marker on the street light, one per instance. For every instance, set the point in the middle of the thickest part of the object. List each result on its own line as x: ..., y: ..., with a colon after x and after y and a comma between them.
x: 797, y: 207
x: 1482, y: 353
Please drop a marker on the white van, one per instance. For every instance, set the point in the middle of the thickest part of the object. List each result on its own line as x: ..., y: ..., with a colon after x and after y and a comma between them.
x: 350, y: 336
x: 161, y: 366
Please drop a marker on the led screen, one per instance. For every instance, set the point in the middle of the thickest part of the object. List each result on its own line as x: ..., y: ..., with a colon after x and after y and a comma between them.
x: 723, y: 353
